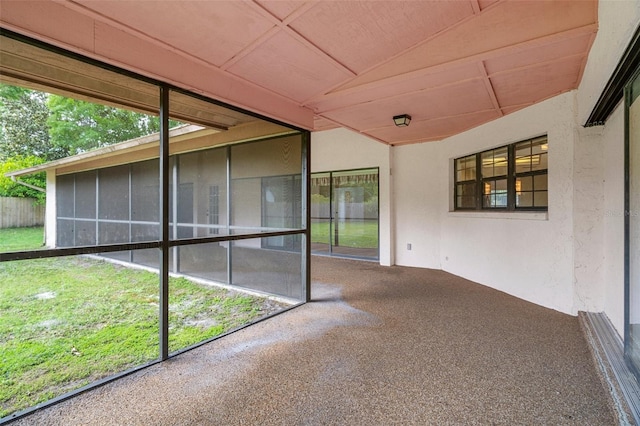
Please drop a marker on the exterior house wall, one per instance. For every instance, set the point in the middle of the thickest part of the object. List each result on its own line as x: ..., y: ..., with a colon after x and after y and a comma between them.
x: 528, y: 255
x: 613, y: 218
x: 342, y: 149
x: 588, y: 212
x: 200, y: 169
x: 418, y: 189
x: 553, y: 259
x: 618, y: 20
x: 569, y: 259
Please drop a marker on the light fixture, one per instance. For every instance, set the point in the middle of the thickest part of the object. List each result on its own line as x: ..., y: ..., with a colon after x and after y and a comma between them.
x: 402, y: 120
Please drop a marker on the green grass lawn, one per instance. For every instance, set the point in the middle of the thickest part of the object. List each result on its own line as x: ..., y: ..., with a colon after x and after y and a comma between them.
x: 16, y: 239
x: 66, y: 322
x: 357, y: 234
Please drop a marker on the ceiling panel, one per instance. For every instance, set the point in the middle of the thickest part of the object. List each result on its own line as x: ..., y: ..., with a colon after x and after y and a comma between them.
x: 213, y: 31
x: 396, y: 87
x: 281, y: 8
x: 287, y: 66
x: 505, y: 28
x: 432, y: 130
x: 533, y: 84
x: 460, y: 99
x: 321, y: 123
x: 560, y: 49
x: 449, y: 64
x: 486, y: 3
x: 375, y: 31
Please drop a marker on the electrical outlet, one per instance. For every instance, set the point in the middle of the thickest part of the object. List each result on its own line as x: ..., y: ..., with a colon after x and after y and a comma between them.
x: 408, y: 246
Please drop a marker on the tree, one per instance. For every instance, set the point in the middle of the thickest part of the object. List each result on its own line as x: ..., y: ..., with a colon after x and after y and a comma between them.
x: 23, y: 125
x: 36, y: 127
x: 9, y: 188
x: 79, y: 126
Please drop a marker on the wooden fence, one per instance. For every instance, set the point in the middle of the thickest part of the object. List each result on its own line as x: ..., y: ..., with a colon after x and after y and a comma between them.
x: 20, y: 212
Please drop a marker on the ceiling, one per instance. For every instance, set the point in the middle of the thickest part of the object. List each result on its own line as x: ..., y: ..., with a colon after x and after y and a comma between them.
x: 450, y: 65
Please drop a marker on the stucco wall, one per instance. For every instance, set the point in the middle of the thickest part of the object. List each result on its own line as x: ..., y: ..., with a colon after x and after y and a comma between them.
x: 570, y: 259
x: 529, y: 255
x: 613, y: 218
x: 419, y: 189
x: 588, y: 224
x: 341, y: 149
x: 618, y: 20
x: 554, y: 259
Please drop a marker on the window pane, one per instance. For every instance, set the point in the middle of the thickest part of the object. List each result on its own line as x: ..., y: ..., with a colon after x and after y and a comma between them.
x: 466, y: 194
x: 280, y: 195
x: 539, y: 161
x: 531, y: 191
x: 523, y: 157
x: 269, y: 271
x: 495, y: 193
x: 202, y: 193
x: 540, y: 182
x: 494, y: 162
x: 112, y: 196
x: 541, y: 199
x: 204, y: 307
x: 143, y: 232
x: 500, y: 165
x: 466, y: 168
x: 320, y: 212
x: 354, y: 230
x: 530, y: 164
x: 466, y: 203
x: 75, y: 320
x: 524, y: 184
x: 80, y: 108
x: 524, y: 199
x: 207, y: 261
x: 531, y: 155
x: 258, y: 199
x: 146, y: 257
x: 487, y: 164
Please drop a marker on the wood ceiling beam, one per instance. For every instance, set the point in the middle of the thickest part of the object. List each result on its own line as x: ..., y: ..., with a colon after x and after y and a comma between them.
x: 490, y: 90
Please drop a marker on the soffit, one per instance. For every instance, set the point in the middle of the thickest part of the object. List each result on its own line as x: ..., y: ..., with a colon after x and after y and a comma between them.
x: 29, y: 66
x: 451, y: 65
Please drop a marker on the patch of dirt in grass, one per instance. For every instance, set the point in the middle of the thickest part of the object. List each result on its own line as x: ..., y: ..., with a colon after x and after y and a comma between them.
x: 202, y: 323
x: 45, y: 296
x: 49, y: 323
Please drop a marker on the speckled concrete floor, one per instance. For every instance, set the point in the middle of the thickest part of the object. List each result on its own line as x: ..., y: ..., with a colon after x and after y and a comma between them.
x: 377, y: 346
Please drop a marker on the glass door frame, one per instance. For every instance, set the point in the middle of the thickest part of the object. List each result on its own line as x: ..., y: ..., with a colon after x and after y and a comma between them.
x: 332, y: 214
x: 628, y: 215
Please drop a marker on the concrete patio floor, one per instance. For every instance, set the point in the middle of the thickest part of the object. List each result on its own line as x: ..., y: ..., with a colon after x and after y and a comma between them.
x: 377, y: 346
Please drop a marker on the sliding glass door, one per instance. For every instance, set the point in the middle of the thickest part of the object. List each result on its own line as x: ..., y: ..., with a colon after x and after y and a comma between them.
x: 632, y: 219
x: 344, y: 213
